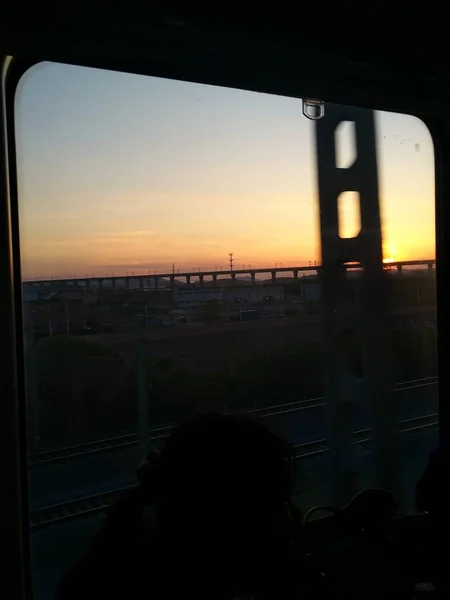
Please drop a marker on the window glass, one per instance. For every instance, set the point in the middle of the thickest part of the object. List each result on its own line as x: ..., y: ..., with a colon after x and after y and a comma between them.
x: 171, y: 261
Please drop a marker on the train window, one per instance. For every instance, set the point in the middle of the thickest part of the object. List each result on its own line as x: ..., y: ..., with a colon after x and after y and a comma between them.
x: 184, y: 249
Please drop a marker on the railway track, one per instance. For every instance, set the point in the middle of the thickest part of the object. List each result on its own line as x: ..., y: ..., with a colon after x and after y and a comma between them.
x: 99, y: 503
x: 155, y: 435
x: 81, y: 507
x: 364, y: 435
x: 80, y: 450
x: 321, y: 401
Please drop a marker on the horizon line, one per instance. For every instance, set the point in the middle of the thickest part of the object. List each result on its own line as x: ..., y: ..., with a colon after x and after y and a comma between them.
x: 278, y: 267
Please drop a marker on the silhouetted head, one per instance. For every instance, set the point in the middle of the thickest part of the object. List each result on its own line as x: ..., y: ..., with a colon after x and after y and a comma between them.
x: 223, y: 483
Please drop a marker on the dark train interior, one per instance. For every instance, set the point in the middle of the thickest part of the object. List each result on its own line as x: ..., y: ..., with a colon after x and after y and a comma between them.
x: 226, y: 211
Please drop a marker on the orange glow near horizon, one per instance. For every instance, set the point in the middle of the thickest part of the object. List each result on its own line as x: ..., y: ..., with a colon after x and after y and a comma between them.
x: 124, y: 253
x: 390, y: 253
x: 121, y: 173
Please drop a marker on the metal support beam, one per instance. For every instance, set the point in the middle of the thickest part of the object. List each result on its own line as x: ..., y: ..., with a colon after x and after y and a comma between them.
x: 365, y: 248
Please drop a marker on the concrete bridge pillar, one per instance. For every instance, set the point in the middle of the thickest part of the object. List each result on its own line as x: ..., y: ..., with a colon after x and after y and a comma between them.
x: 200, y: 279
x: 295, y: 274
x: 214, y: 278
x: 253, y: 277
x: 233, y: 278
x: 274, y: 277
x: 188, y: 279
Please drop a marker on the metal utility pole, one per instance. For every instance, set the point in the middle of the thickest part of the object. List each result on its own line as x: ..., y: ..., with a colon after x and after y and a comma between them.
x: 143, y: 422
x: 50, y: 329
x: 67, y: 317
x: 32, y: 390
x: 231, y: 260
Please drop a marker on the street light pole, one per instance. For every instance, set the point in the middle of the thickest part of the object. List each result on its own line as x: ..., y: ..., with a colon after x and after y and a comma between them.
x: 67, y: 317
x: 143, y: 421
x: 50, y: 330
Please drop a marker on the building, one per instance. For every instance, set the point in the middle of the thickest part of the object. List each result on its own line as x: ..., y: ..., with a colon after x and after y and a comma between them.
x: 30, y: 295
x: 131, y: 297
x: 191, y: 296
x: 254, y: 294
x: 310, y: 291
x: 86, y: 296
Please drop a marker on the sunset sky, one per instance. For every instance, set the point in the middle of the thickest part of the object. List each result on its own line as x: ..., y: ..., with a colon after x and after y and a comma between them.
x: 123, y: 173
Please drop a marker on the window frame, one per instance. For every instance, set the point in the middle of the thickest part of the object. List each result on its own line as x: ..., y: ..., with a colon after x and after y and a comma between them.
x: 211, y: 68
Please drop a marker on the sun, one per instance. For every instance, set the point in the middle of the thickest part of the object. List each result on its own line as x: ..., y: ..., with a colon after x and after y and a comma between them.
x: 389, y: 253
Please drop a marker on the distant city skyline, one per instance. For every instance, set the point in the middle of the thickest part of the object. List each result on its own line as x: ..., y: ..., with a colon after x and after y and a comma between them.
x: 121, y: 173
